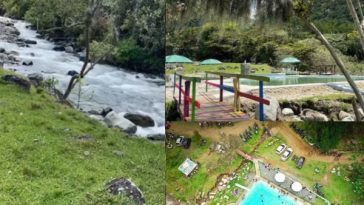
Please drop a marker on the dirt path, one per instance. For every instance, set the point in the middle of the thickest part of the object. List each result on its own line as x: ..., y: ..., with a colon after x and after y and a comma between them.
x: 300, y: 147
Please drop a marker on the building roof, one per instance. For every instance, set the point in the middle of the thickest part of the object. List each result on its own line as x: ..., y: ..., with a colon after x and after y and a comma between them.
x: 187, y: 167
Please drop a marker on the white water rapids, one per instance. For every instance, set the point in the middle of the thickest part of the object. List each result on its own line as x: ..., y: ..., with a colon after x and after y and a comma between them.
x: 105, y: 86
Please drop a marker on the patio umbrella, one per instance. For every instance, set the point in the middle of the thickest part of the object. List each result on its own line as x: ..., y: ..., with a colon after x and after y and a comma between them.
x: 296, y: 186
x: 290, y: 60
x: 279, y: 177
x: 210, y: 62
x: 177, y: 59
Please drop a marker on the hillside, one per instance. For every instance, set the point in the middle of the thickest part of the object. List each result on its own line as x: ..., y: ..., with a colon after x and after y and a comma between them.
x: 53, y: 154
x: 261, y: 32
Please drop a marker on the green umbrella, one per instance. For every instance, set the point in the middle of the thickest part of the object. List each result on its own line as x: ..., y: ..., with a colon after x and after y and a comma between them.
x: 290, y: 60
x: 177, y: 59
x: 210, y: 62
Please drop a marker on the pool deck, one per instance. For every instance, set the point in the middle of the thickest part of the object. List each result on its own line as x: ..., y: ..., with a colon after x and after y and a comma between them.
x: 267, y: 173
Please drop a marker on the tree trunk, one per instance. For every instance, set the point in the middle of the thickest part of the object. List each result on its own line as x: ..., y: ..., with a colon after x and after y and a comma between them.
x: 337, y: 59
x: 356, y: 21
x: 74, y: 80
x: 360, y: 12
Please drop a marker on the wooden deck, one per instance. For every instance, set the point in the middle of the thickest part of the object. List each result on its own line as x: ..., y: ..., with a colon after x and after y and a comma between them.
x: 213, y: 110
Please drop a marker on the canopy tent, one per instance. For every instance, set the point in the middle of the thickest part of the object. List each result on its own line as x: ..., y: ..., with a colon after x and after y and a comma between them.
x: 290, y: 60
x: 279, y: 177
x: 177, y: 59
x: 296, y: 186
x: 210, y: 62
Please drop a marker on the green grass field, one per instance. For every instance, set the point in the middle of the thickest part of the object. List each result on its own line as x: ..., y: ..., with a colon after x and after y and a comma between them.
x: 226, y: 67
x: 41, y: 161
x: 211, y: 165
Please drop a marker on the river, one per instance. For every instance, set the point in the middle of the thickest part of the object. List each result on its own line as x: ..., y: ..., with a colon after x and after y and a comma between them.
x: 105, y: 86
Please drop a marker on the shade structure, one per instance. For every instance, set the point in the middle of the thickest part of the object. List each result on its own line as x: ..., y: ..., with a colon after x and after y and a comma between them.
x: 210, y: 62
x: 290, y: 60
x: 279, y: 177
x: 296, y: 186
x: 177, y: 59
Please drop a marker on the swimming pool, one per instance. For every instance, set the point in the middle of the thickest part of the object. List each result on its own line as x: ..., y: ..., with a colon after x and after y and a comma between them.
x: 262, y: 194
x: 282, y: 79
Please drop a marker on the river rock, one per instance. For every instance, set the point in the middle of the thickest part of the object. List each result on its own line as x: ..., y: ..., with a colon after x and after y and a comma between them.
x: 69, y: 49
x: 59, y: 48
x: 2, y: 50
x: 287, y: 112
x: 30, y: 42
x: 117, y: 120
x: 272, y: 111
x: 343, y: 115
x: 156, y: 137
x: 36, y: 79
x: 361, y: 113
x: 140, y: 120
x: 27, y: 62
x: 126, y: 187
x: 72, y: 73
x: 3, y: 57
x: 312, y: 115
x: 82, y: 56
x: 348, y: 119
x: 106, y: 111
x: 22, y: 83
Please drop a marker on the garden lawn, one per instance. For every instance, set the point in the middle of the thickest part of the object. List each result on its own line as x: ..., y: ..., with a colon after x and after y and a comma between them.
x: 42, y: 162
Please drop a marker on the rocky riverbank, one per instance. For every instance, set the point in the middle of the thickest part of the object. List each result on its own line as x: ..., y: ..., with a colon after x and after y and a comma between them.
x: 36, y: 58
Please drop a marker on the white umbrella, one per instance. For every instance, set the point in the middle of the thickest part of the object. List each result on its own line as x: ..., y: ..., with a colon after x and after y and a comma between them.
x: 296, y: 186
x: 279, y: 177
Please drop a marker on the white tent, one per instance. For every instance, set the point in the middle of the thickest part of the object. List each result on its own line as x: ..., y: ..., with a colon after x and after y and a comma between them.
x: 296, y: 186
x: 279, y: 177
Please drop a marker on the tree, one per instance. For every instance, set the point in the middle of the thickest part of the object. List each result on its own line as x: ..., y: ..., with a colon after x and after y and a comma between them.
x: 89, y: 63
x: 356, y: 21
x: 302, y: 9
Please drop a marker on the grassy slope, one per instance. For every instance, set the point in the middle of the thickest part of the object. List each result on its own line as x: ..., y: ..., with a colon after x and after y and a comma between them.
x: 42, y: 163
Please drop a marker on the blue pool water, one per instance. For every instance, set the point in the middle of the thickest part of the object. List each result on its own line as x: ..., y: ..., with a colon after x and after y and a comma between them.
x: 262, y: 194
x: 282, y: 79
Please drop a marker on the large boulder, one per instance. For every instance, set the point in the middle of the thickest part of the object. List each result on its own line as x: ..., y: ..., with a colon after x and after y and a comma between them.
x: 117, y: 120
x: 2, y: 50
x: 348, y: 119
x: 312, y: 115
x: 36, y: 79
x: 271, y: 112
x: 140, y: 120
x: 126, y: 187
x: 21, y: 82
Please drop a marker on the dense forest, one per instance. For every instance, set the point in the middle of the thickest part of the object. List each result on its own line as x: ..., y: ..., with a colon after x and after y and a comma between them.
x: 133, y: 31
x: 261, y: 32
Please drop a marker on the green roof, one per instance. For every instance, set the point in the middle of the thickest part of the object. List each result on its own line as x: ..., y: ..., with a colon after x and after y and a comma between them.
x: 210, y: 62
x: 177, y: 59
